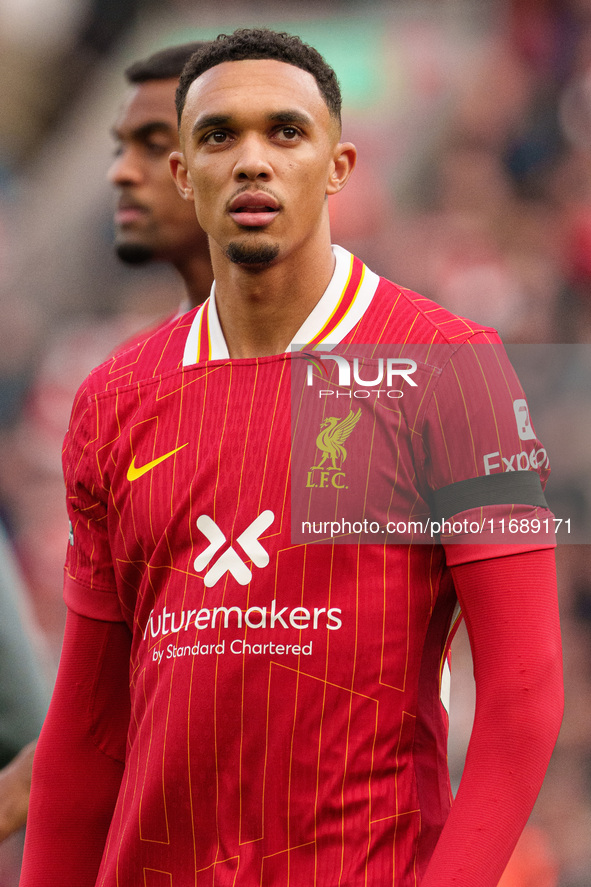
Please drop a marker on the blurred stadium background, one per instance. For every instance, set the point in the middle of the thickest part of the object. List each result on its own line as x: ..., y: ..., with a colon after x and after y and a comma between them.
x: 473, y: 121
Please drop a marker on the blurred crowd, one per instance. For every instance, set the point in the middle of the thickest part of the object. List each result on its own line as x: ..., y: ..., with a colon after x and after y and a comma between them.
x: 473, y: 188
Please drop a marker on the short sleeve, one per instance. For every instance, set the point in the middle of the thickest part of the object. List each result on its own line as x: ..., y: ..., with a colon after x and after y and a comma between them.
x: 483, y: 464
x: 89, y: 584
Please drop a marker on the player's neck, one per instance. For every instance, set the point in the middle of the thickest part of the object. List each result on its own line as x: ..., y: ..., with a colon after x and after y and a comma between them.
x: 260, y: 312
x: 197, y: 276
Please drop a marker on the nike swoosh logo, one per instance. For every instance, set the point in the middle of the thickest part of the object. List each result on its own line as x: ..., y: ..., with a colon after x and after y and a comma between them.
x: 134, y: 471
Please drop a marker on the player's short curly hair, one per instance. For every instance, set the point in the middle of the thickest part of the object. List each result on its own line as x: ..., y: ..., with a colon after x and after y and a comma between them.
x: 260, y: 43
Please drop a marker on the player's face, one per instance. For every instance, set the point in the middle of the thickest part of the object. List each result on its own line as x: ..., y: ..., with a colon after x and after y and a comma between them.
x: 260, y: 153
x: 151, y: 222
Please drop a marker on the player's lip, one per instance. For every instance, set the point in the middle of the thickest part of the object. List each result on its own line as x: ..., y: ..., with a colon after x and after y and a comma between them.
x: 254, y: 209
x: 129, y: 211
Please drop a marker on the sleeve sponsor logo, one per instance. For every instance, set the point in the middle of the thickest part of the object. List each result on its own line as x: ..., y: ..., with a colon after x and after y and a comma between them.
x: 523, y: 461
x: 524, y: 426
x: 536, y: 459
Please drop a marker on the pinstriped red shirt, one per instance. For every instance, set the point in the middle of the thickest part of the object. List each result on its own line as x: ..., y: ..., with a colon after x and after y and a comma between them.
x: 286, y: 721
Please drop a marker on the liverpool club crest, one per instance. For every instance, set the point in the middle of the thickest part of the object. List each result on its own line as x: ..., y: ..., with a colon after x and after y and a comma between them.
x: 328, y: 469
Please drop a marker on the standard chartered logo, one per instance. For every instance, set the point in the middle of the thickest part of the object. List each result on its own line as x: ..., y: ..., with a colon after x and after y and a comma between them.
x: 163, y: 623
x: 230, y: 561
x: 274, y: 619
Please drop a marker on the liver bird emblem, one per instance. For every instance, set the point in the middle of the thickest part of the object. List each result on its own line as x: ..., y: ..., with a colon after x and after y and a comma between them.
x: 330, y: 441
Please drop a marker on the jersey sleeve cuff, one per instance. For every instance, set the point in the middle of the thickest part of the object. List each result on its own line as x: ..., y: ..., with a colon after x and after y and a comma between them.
x: 94, y: 603
x: 457, y: 554
x: 493, y: 531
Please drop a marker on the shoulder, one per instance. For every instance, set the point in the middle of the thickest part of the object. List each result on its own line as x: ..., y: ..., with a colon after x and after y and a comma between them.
x: 145, y: 359
x: 114, y: 390
x: 145, y: 333
x: 398, y: 314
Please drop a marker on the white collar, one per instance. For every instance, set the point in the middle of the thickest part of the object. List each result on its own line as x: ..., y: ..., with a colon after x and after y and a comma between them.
x: 341, y: 306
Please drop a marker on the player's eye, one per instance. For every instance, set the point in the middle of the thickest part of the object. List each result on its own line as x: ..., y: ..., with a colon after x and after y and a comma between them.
x: 288, y: 133
x: 217, y: 137
x: 156, y: 146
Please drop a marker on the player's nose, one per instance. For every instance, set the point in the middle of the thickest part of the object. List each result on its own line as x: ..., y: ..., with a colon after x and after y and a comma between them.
x: 253, y: 161
x: 124, y: 169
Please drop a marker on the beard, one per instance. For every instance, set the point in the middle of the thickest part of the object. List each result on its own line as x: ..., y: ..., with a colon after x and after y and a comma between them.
x: 255, y: 255
x: 134, y: 253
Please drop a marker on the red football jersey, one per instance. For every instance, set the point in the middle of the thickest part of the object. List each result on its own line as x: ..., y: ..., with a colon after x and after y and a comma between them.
x: 286, y: 720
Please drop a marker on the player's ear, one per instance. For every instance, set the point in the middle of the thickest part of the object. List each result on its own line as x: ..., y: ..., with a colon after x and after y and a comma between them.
x: 344, y: 159
x: 180, y: 175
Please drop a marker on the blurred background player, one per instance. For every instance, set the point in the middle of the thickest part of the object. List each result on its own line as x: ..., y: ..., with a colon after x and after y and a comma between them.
x: 24, y: 696
x: 151, y: 223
